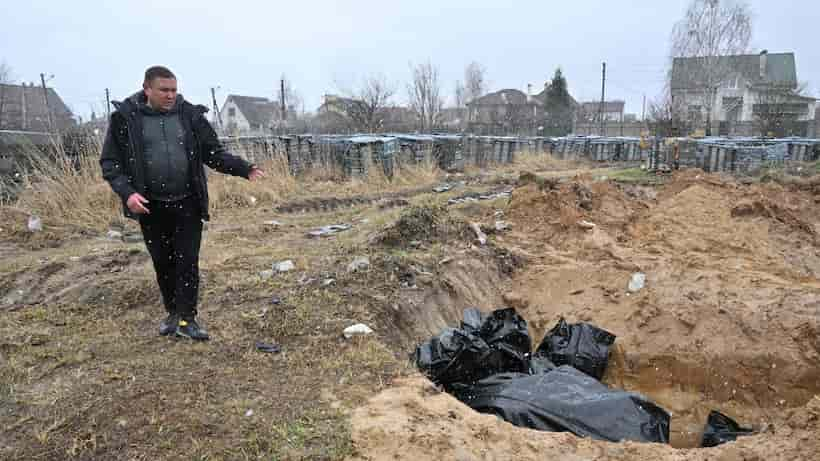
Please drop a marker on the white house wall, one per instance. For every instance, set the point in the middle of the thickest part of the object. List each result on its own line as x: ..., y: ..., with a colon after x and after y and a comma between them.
x: 239, y: 121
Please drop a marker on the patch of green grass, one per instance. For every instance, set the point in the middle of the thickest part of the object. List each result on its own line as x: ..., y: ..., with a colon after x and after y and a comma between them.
x: 316, y: 434
x: 629, y: 174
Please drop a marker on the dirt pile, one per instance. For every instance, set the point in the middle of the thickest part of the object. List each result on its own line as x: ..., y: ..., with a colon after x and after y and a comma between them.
x: 413, y: 420
x: 765, y: 208
x: 423, y: 224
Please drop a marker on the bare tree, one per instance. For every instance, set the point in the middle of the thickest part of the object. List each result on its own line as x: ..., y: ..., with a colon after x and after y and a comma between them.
x: 425, y: 95
x: 777, y: 109
x: 5, y: 78
x: 363, y: 108
x: 475, y: 81
x: 710, y: 31
x: 666, y: 116
x: 461, y: 102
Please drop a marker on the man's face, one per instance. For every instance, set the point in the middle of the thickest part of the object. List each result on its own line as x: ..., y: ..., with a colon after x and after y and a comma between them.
x: 161, y: 93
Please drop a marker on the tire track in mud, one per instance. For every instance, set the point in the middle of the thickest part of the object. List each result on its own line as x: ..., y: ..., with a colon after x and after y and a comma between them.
x: 383, y: 201
x: 401, y: 198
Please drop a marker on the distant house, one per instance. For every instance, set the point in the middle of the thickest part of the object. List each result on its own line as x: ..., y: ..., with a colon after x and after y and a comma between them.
x: 751, y: 87
x: 334, y: 103
x: 613, y: 111
x: 339, y: 114
x: 816, y: 132
x: 509, y: 111
x: 333, y: 115
x: 453, y: 118
x: 249, y: 115
x: 24, y: 108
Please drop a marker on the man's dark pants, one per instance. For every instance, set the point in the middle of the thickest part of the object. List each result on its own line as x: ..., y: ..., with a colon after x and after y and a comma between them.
x: 173, y: 233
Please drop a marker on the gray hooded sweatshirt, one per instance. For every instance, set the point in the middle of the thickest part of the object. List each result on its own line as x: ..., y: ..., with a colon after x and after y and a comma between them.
x: 166, y: 160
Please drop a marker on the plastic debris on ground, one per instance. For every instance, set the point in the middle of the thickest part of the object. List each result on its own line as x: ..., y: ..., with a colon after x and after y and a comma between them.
x: 443, y: 188
x: 637, y: 282
x: 359, y: 264
x: 359, y: 329
x: 487, y: 364
x: 327, y: 231
x: 34, y: 224
x: 284, y: 266
x: 476, y: 197
x: 268, y: 348
x: 721, y: 429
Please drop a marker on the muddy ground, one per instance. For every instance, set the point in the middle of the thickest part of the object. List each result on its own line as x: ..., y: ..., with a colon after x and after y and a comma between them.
x: 729, y: 319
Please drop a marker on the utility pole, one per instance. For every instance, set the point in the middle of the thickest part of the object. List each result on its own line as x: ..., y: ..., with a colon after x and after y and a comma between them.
x: 45, y: 98
x: 643, y: 112
x: 282, y: 101
x: 216, y: 109
x: 23, y: 105
x: 107, y: 105
x: 603, y: 95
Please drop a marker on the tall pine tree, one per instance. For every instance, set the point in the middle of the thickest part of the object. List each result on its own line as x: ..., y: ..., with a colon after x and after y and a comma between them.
x: 558, y: 107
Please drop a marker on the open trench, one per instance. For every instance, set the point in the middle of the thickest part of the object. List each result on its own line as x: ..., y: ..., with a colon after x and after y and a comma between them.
x: 715, y: 329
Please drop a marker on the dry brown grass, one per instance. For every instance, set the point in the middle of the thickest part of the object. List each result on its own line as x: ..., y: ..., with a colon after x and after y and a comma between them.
x: 68, y: 193
x: 71, y: 196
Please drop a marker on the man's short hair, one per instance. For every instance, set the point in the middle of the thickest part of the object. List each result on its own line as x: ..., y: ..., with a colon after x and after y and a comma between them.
x: 155, y: 72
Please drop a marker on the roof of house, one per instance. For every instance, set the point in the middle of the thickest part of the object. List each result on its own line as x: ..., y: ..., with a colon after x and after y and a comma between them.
x: 609, y: 106
x: 780, y: 69
x: 334, y: 101
x: 36, y: 113
x: 501, y: 97
x: 256, y: 110
x: 513, y: 96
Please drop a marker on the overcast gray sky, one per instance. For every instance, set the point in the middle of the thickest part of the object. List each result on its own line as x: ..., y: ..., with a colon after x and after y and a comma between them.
x: 244, y: 46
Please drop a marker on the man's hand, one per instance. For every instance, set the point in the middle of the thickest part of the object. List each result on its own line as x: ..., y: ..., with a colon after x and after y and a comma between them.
x: 136, y: 203
x: 256, y: 174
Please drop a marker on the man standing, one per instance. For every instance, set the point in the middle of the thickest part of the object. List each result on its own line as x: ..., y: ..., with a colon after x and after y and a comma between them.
x: 153, y: 157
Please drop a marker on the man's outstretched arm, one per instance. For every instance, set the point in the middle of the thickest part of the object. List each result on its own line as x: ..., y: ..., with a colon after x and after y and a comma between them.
x: 215, y: 156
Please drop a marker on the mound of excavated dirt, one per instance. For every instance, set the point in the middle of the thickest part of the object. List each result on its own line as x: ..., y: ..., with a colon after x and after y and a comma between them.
x: 561, y: 216
x: 423, y: 224
x: 413, y: 421
x: 765, y: 208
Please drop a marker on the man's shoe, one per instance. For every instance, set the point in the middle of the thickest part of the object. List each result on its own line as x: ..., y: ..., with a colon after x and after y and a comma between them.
x: 169, y: 325
x: 191, y: 329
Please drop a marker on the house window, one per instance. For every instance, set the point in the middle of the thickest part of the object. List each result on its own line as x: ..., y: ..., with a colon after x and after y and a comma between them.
x: 733, y: 82
x: 733, y: 108
x: 232, y: 112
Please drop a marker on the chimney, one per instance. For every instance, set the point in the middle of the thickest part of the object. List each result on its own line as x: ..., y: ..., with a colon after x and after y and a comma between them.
x: 529, y: 92
x: 763, y: 58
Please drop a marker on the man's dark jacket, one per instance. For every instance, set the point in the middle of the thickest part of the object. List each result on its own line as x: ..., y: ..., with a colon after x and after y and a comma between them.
x: 123, y: 165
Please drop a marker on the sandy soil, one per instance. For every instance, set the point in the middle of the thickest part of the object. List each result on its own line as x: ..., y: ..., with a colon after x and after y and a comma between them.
x: 729, y: 319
